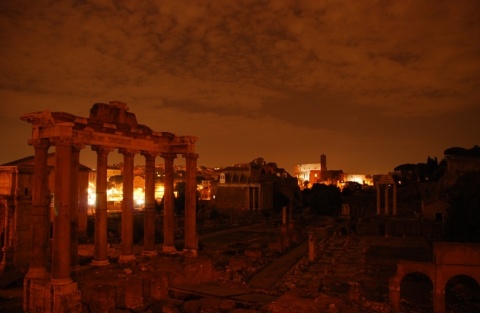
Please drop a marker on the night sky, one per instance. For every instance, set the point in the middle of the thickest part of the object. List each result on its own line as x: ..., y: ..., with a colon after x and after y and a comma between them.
x: 371, y: 84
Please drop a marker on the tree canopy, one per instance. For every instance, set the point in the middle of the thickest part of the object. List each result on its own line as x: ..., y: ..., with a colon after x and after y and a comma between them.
x: 463, y: 212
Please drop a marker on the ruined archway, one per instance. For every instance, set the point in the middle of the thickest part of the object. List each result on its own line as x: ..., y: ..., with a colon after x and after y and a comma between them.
x: 416, y: 290
x: 462, y: 294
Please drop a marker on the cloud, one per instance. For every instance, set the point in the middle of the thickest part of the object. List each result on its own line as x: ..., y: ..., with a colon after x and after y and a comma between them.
x: 324, y: 66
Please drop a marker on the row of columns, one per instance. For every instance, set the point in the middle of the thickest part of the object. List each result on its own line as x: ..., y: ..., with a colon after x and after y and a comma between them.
x: 386, y: 202
x: 254, y: 197
x: 65, y: 219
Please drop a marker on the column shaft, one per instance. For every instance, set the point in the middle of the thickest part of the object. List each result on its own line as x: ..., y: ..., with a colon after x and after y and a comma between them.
x: 394, y: 200
x: 149, y: 210
x: 100, y: 248
x: 190, y: 203
x: 387, y: 209
x: 379, y: 210
x: 127, y: 205
x: 74, y: 205
x: 40, y: 217
x: 61, y: 254
x: 168, y: 205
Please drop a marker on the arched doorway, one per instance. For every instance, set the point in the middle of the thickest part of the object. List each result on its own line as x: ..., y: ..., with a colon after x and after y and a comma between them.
x: 462, y: 295
x: 416, y: 293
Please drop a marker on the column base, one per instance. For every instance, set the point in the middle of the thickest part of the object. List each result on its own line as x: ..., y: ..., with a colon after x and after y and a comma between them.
x: 43, y: 295
x: 100, y: 262
x: 169, y: 249
x: 190, y: 252
x: 60, y: 281
x: 126, y: 258
x: 37, y: 273
x: 149, y: 252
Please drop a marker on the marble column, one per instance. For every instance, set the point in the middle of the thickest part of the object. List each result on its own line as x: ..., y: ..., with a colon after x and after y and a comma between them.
x: 100, y: 244
x: 74, y: 204
x: 126, y: 253
x: 8, y: 249
x: 149, y: 210
x: 168, y: 205
x: 40, y: 215
x: 61, y: 245
x: 190, y: 203
x: 311, y: 246
x: 379, y: 210
x: 387, y: 209
x: 394, y: 199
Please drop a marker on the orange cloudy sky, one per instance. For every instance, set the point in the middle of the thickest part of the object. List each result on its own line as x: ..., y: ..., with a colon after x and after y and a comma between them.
x: 372, y: 84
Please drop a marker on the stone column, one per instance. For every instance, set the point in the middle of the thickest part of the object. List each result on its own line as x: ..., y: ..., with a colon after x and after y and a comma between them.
x: 100, y: 249
x: 126, y: 254
x: 74, y: 204
x: 386, y: 201
x: 40, y: 216
x: 394, y: 294
x: 149, y: 210
x: 168, y: 205
x: 254, y: 198
x: 261, y: 204
x: 439, y: 297
x: 379, y: 210
x: 8, y: 230
x: 311, y: 246
x: 82, y: 205
x: 191, y: 203
x: 61, y: 245
x: 394, y: 199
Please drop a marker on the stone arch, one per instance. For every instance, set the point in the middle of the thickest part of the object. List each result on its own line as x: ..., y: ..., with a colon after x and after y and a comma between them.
x: 462, y: 294
x: 417, y: 288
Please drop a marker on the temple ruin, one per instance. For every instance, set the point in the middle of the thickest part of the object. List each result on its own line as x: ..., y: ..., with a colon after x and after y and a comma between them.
x: 49, y: 287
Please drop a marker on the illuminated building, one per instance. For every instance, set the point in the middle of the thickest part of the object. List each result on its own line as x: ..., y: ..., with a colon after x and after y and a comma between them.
x: 317, y: 173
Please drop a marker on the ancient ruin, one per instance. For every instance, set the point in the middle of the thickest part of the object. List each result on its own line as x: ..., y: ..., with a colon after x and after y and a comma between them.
x: 249, y: 241
x: 109, y: 127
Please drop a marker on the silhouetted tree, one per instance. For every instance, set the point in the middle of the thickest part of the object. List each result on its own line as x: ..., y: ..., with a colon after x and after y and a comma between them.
x: 279, y: 201
x: 463, y: 213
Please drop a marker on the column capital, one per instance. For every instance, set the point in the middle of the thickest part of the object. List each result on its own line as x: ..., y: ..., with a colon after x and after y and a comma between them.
x: 61, y: 141
x: 190, y: 155
x: 149, y: 154
x: 168, y: 155
x: 77, y: 145
x: 39, y: 143
x: 102, y: 149
x: 127, y: 151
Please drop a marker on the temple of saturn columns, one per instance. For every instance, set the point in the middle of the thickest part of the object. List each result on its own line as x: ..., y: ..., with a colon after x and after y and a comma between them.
x: 109, y: 127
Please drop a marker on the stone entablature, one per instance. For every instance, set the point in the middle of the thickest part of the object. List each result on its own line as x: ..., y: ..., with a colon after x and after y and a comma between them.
x: 99, y: 130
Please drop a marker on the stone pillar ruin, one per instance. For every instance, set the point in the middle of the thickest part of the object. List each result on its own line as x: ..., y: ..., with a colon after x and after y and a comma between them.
x: 126, y: 254
x: 394, y: 199
x: 191, y: 203
x: 386, y: 212
x: 74, y: 205
x: 168, y: 205
x: 109, y: 126
x: 311, y: 246
x: 61, y: 256
x: 100, y: 236
x: 379, y: 207
x: 149, y: 210
x: 40, y: 211
x: 386, y: 181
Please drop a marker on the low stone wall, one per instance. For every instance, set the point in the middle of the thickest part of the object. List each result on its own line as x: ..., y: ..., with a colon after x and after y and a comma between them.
x: 139, y: 284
